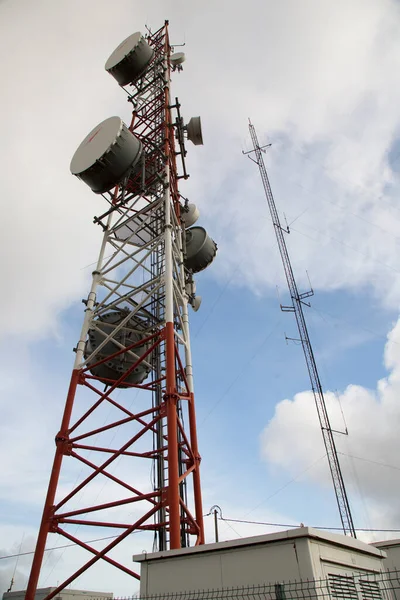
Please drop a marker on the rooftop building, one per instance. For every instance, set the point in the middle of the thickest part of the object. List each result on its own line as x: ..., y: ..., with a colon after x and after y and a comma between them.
x: 67, y: 594
x: 298, y: 554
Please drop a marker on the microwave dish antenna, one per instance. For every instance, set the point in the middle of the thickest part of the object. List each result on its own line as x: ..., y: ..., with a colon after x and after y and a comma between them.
x: 178, y: 58
x: 200, y: 249
x: 108, y: 362
x: 130, y: 59
x: 195, y: 303
x: 189, y: 214
x: 194, y: 131
x: 106, y: 155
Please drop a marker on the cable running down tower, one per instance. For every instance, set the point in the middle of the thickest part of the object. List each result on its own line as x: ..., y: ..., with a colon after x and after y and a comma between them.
x: 297, y: 309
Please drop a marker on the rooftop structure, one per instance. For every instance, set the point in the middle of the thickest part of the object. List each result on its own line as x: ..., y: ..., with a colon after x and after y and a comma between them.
x: 66, y: 594
x: 298, y: 554
x: 392, y: 562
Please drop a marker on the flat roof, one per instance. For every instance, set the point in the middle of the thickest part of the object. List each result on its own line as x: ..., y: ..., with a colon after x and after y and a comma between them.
x: 47, y: 590
x: 280, y: 536
x: 386, y: 543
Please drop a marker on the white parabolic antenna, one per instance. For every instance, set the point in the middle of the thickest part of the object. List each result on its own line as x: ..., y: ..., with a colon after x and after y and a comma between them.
x: 193, y: 130
x: 113, y: 368
x: 106, y: 155
x: 130, y: 59
x: 189, y: 214
x: 177, y: 58
x: 200, y: 249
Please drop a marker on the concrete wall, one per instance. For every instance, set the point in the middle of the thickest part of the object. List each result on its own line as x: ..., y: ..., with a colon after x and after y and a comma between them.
x: 392, y: 563
x: 251, y: 565
x: 393, y: 555
x: 328, y: 558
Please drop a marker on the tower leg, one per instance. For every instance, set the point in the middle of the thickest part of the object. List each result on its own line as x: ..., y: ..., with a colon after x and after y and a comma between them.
x: 46, y: 523
x: 198, y: 503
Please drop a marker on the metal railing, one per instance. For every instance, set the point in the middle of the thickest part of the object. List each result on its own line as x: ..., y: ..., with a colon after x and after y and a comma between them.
x: 363, y: 586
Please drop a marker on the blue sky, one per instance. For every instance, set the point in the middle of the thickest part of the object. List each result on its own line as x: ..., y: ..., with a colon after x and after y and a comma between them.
x: 318, y: 82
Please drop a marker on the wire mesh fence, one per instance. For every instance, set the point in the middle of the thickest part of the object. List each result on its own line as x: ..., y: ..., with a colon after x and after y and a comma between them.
x: 365, y: 586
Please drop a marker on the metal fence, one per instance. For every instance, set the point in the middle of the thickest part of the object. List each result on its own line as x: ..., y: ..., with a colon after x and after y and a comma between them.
x: 365, y: 586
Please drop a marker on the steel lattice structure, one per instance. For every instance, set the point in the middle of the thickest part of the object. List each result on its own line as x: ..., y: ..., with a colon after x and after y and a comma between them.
x: 297, y: 309
x: 140, y: 276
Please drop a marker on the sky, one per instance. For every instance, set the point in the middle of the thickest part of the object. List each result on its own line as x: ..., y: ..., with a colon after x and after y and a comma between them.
x: 320, y: 83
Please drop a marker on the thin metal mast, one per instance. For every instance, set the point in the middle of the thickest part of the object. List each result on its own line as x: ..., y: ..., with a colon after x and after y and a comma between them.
x: 297, y: 301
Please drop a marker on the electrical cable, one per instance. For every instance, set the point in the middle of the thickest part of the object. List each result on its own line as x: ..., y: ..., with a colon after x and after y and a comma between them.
x: 337, y: 396
x: 338, y: 241
x: 109, y: 537
x: 351, y: 324
x: 345, y: 209
x: 375, y: 462
x: 328, y: 170
x: 358, y: 488
x: 244, y: 521
x: 365, y: 529
x: 237, y: 267
x: 240, y: 373
x: 229, y: 525
x: 286, y: 484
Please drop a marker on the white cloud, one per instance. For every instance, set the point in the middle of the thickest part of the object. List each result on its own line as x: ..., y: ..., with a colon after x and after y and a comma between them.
x: 317, y: 78
x: 322, y: 74
x: 55, y: 90
x: 292, y: 439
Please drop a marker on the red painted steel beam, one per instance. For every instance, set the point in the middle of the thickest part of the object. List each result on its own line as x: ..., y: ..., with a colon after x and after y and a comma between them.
x: 101, y: 468
x: 51, y: 492
x: 196, y: 473
x: 113, y: 504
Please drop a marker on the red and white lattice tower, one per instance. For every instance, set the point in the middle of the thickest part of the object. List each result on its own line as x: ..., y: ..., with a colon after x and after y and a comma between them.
x: 133, y: 376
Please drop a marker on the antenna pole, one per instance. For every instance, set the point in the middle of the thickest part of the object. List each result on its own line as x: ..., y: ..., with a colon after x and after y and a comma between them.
x: 216, y: 510
x: 327, y: 433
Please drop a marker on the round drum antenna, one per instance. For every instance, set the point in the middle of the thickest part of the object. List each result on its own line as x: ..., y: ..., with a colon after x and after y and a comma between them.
x: 106, y: 155
x: 130, y: 59
x: 177, y: 58
x: 193, y: 130
x: 189, y: 214
x: 114, y: 367
x: 200, y: 249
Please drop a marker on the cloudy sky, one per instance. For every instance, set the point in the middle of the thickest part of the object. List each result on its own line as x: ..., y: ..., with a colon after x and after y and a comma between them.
x: 320, y: 81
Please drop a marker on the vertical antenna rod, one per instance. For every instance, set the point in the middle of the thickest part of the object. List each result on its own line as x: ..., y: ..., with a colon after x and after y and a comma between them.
x: 297, y: 300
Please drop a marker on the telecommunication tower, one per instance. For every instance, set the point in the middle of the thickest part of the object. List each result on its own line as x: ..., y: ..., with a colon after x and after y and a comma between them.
x: 133, y: 358
x: 297, y: 308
